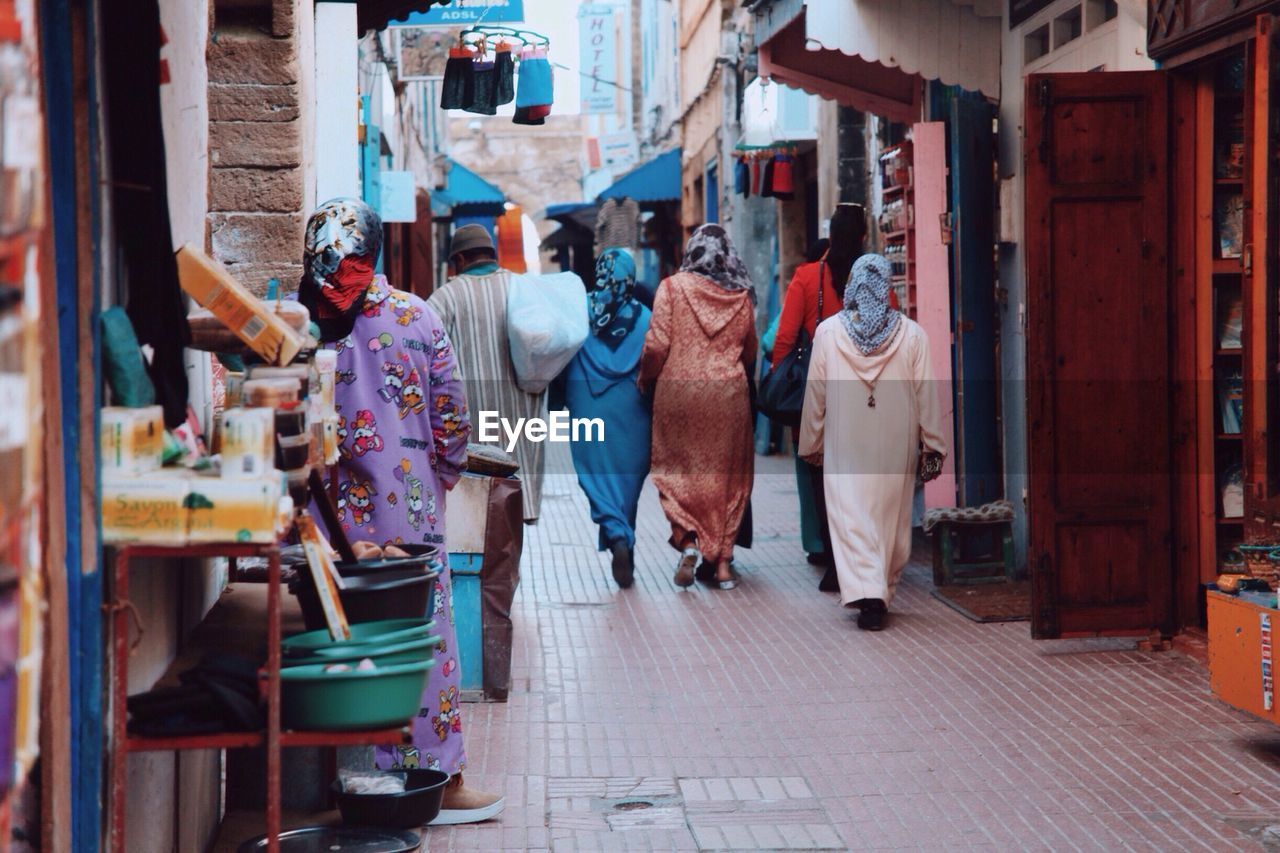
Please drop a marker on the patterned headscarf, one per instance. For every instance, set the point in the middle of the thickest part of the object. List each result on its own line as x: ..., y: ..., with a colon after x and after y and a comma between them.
x: 867, y: 316
x: 344, y: 237
x: 611, y: 302
x: 711, y: 255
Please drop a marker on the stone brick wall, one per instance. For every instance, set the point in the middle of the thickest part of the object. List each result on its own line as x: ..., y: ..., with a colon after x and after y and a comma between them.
x: 256, y: 137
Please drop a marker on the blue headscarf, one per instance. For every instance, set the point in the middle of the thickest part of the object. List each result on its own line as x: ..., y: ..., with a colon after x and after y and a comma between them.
x: 867, y: 316
x: 611, y: 303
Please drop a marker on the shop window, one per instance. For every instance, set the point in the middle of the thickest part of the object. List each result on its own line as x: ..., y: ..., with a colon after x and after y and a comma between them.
x: 1035, y: 44
x: 1067, y: 27
x: 1098, y: 12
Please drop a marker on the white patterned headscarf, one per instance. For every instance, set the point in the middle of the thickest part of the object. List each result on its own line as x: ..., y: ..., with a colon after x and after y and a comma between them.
x: 867, y: 316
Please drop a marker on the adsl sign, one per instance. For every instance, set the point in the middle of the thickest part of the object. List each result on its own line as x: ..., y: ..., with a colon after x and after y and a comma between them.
x: 461, y: 12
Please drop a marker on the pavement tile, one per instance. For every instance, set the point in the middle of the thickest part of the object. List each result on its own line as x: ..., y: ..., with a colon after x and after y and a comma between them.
x: 763, y: 714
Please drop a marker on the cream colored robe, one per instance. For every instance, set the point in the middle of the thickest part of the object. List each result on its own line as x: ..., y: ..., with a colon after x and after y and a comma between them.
x: 870, y: 455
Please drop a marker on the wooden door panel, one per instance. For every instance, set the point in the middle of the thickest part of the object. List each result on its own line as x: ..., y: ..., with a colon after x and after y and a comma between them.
x: 1098, y: 352
x: 1089, y: 142
x: 1106, y: 554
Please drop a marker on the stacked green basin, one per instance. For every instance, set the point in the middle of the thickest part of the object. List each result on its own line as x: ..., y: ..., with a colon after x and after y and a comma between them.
x: 402, y: 651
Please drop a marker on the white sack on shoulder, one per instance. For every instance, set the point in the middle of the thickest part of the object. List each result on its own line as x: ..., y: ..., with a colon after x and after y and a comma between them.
x: 546, y: 325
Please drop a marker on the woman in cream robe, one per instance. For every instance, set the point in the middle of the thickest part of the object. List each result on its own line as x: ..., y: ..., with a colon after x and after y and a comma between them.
x: 870, y: 411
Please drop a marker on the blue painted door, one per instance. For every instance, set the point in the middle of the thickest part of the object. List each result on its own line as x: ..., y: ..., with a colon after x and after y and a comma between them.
x: 972, y: 155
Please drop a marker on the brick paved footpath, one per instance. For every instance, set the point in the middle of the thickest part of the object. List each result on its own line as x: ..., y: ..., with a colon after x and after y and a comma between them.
x: 761, y: 718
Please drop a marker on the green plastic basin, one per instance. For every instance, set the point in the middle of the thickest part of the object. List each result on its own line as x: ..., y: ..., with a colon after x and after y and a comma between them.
x: 385, y: 631
x: 312, y: 699
x: 378, y: 652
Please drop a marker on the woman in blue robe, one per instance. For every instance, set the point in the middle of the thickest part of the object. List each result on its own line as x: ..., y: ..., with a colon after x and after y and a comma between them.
x: 600, y: 383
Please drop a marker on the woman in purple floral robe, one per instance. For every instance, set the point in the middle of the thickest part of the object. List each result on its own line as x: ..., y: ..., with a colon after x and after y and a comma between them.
x: 403, y: 429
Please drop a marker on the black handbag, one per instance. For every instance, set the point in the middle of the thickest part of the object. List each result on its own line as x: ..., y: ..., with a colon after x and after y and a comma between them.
x: 781, y: 395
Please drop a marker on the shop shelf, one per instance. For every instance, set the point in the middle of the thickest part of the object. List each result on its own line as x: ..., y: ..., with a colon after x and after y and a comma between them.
x: 1230, y: 436
x: 1229, y: 352
x: 1228, y: 266
x: 248, y: 619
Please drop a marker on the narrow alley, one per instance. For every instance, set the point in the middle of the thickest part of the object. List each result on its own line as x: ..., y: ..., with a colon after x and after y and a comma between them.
x: 762, y: 719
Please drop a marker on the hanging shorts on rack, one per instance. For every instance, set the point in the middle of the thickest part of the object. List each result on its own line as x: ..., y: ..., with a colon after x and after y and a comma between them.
x: 784, y: 187
x: 766, y: 179
x: 504, y: 70
x: 742, y: 178
x: 535, y: 93
x: 485, y: 76
x: 755, y: 176
x: 457, y: 92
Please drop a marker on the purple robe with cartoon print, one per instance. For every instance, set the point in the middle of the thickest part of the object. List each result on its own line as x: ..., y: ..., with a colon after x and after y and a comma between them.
x: 403, y: 429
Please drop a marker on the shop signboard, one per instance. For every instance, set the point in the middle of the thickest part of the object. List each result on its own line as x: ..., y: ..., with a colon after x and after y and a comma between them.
x: 465, y: 13
x: 619, y: 151
x: 598, y: 58
x: 398, y: 197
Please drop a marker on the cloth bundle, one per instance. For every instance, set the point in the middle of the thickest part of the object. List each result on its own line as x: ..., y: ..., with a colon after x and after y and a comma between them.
x: 219, y: 694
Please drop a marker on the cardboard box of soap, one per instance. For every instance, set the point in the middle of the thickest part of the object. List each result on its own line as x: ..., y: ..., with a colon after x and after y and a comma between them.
x: 176, y: 507
x: 249, y: 317
x: 222, y: 510
x: 132, y: 440
x: 148, y: 509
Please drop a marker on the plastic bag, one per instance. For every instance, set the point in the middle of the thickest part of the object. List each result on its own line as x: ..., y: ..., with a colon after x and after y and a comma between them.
x: 546, y: 325
x: 366, y: 782
x: 126, y: 372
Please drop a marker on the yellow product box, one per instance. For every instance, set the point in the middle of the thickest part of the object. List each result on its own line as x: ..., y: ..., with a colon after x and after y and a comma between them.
x: 132, y: 440
x: 248, y: 443
x: 252, y: 320
x: 222, y: 510
x: 150, y: 509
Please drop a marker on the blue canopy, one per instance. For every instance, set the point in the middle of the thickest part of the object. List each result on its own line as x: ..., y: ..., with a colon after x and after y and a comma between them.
x: 657, y: 180
x: 469, y: 194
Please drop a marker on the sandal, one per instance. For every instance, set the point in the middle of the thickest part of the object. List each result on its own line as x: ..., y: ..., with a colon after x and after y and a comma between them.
x: 731, y: 583
x: 684, y: 569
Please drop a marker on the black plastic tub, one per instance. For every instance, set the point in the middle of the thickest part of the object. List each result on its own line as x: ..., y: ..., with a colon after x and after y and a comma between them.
x: 371, y: 595
x: 416, y: 807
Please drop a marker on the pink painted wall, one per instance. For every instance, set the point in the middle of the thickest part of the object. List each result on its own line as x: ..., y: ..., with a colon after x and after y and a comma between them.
x: 933, y: 285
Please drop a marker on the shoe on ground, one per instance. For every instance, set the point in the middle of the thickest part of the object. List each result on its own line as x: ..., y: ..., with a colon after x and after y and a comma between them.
x: 830, y: 582
x: 467, y: 805
x: 684, y: 569
x: 819, y: 560
x: 623, y: 565
x: 872, y: 615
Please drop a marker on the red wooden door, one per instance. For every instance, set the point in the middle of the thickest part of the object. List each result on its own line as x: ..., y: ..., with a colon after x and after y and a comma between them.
x: 1098, y: 396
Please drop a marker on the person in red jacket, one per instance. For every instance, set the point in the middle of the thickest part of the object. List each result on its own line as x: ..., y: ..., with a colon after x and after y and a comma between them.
x: 800, y: 312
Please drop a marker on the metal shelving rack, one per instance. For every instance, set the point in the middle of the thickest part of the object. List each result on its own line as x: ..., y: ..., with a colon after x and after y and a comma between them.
x: 273, y: 737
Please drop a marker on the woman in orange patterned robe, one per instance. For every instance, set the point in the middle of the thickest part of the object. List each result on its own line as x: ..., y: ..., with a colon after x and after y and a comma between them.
x: 697, y: 358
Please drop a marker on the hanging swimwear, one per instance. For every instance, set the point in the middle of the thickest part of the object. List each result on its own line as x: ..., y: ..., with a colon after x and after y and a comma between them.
x: 485, y: 75
x: 784, y: 187
x: 535, y: 92
x: 504, y: 72
x: 458, y: 89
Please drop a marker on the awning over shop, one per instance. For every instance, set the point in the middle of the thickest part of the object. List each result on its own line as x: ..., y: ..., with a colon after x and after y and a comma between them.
x: 657, y: 180
x: 468, y: 194
x: 374, y: 14
x: 871, y: 54
x: 580, y: 213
